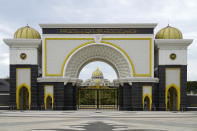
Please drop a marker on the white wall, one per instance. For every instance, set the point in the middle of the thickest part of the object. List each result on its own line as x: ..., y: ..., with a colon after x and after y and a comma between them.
x: 139, y: 53
x: 23, y: 76
x: 48, y: 89
x: 166, y: 47
x: 164, y: 57
x: 32, y: 57
x: 137, y: 50
x: 173, y: 76
x: 147, y: 90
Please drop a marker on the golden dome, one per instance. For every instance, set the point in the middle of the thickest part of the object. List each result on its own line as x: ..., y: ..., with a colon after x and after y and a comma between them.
x: 97, y: 73
x: 26, y: 33
x: 97, y: 81
x: 169, y: 33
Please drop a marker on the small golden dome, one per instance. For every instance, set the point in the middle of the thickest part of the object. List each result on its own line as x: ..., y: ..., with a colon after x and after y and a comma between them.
x: 169, y: 33
x: 26, y: 33
x: 97, y: 73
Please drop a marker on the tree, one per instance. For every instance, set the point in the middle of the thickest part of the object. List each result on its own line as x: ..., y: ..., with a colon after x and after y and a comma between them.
x: 192, y: 86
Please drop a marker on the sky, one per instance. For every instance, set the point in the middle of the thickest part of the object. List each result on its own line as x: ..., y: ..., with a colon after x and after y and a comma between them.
x: 181, y: 14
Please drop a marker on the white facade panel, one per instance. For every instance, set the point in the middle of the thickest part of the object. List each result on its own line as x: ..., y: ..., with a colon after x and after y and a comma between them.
x: 173, y: 76
x: 141, y: 52
x: 164, y: 57
x: 23, y: 76
x: 48, y: 89
x: 32, y: 56
x: 57, y: 51
x: 147, y: 90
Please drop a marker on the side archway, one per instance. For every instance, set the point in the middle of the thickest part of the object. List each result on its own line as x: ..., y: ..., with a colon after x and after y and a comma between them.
x: 147, y: 102
x: 98, y: 52
x: 48, y: 101
x: 172, y: 97
x: 18, y: 98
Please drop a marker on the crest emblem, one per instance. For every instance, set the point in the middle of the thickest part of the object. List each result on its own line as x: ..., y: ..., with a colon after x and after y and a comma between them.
x: 23, y: 56
x: 98, y: 38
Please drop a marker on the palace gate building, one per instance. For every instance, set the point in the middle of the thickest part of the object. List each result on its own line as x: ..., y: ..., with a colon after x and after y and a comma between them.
x: 151, y: 68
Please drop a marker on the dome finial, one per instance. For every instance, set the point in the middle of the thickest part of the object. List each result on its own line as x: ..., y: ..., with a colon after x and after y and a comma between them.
x: 168, y: 22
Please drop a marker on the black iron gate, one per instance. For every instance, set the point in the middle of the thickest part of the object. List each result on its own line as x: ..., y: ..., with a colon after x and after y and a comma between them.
x: 97, y: 98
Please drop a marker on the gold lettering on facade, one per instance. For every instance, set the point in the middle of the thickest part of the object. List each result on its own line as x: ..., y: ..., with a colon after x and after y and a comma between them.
x: 63, y: 31
x: 98, y: 31
x: 133, y: 31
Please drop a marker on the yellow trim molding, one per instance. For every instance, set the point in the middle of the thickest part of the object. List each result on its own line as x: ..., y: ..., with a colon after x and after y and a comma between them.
x: 18, y: 93
x: 178, y: 95
x: 92, y: 41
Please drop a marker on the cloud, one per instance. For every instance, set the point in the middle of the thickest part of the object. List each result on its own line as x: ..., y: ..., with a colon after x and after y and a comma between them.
x: 179, y: 13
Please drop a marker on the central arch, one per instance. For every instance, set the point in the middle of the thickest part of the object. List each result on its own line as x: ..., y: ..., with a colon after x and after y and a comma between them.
x: 98, y: 52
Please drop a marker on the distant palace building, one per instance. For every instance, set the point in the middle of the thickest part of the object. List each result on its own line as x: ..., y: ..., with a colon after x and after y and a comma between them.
x: 97, y: 79
x: 151, y: 69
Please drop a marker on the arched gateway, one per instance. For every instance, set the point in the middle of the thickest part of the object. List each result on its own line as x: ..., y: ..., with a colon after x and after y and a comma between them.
x: 49, y: 65
x: 104, y: 51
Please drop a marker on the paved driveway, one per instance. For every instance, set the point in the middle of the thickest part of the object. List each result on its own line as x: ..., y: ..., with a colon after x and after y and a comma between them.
x: 100, y: 120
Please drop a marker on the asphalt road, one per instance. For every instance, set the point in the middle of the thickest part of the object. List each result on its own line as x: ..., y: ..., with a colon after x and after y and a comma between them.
x: 94, y: 120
